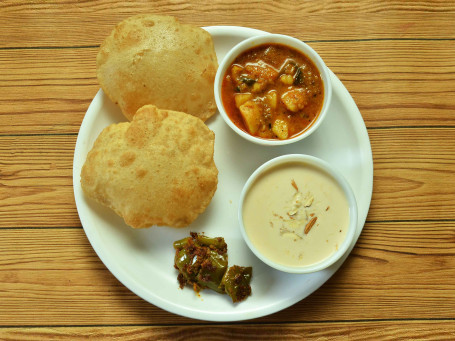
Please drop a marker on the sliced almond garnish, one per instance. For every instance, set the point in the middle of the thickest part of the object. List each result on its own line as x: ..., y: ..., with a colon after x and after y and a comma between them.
x: 292, y: 212
x: 309, y: 201
x: 294, y: 185
x: 286, y: 232
x: 310, y: 225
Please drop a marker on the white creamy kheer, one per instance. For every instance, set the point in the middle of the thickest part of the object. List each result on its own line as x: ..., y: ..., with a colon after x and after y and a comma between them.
x: 295, y: 214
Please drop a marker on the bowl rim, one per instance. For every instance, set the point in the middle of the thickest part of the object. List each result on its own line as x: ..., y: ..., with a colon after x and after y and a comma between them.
x: 339, y: 179
x: 280, y: 39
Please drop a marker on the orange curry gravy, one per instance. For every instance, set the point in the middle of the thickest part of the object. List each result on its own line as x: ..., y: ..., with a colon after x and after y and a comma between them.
x: 272, y: 91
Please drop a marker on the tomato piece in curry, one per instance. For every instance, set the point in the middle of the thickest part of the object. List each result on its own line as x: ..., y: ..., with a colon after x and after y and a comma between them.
x: 272, y: 91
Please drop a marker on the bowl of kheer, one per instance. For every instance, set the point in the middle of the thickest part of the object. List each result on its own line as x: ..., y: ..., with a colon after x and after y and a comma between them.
x: 273, y: 89
x: 298, y: 214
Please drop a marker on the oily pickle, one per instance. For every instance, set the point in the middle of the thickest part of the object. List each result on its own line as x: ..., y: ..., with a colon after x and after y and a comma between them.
x: 202, y: 262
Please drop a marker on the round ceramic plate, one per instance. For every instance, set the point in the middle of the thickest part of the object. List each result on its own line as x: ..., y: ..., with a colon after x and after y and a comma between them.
x: 143, y: 259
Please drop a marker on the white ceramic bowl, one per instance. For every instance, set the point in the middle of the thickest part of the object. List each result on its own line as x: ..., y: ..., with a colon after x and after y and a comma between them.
x: 328, y: 170
x: 280, y: 39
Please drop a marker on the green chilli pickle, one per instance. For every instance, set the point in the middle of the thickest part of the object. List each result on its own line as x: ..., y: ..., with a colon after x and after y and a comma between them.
x: 202, y: 262
x: 236, y: 282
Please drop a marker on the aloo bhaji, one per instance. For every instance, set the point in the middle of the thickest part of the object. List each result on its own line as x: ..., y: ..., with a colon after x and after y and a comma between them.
x: 272, y: 91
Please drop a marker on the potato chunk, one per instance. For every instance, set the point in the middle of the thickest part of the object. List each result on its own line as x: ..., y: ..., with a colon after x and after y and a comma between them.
x: 251, y: 113
x: 280, y: 129
x: 294, y: 99
x: 259, y: 86
x: 261, y: 72
x: 242, y: 98
x: 271, y: 99
x: 286, y: 79
x: 236, y: 71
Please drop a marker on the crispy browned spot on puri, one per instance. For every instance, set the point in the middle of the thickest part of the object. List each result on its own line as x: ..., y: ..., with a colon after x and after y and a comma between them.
x: 154, y: 59
x: 156, y: 170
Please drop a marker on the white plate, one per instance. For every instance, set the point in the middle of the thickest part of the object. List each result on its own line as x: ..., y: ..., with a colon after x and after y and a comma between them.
x: 143, y: 259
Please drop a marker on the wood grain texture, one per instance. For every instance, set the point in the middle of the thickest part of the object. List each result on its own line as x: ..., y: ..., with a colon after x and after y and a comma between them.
x: 396, y: 271
x: 36, y: 186
x: 36, y: 177
x: 412, y: 172
x: 46, y: 91
x: 377, y: 331
x: 396, y: 58
x: 394, y: 83
x: 86, y: 23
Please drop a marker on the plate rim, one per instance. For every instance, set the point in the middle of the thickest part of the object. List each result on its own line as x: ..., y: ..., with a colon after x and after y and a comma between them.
x: 170, y: 306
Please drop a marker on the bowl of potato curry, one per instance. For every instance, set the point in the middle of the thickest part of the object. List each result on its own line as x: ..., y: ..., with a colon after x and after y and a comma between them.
x: 273, y: 89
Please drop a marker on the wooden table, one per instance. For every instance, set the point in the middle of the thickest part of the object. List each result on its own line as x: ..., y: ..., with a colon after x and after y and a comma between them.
x: 397, y: 59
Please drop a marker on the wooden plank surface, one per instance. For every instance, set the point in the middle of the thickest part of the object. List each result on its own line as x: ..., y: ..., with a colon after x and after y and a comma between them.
x: 396, y: 58
x: 36, y: 177
x: 85, y: 23
x: 398, y: 270
x: 52, y: 89
x: 377, y: 331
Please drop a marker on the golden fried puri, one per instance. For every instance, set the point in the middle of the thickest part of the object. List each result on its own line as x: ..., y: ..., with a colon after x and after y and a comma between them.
x: 157, y: 169
x: 153, y: 59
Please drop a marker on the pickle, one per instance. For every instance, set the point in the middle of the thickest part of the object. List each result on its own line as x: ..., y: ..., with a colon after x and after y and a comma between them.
x: 218, y: 242
x: 236, y: 282
x: 212, y: 271
x: 179, y: 244
x: 202, y: 262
